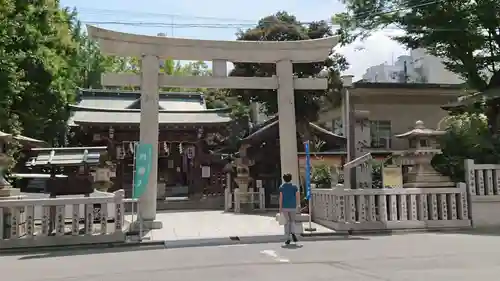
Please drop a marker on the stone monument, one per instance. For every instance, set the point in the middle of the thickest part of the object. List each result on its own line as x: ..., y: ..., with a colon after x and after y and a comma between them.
x: 423, y: 146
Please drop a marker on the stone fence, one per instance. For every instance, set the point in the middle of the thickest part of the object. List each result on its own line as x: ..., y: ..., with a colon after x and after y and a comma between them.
x: 391, y: 209
x: 249, y: 200
x: 61, y: 221
x: 483, y: 183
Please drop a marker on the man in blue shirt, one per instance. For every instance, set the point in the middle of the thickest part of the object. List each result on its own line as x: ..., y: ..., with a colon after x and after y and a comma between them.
x: 289, y: 204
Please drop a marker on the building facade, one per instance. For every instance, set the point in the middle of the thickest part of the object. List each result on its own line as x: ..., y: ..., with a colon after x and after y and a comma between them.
x: 383, y: 110
x: 188, y: 131
x: 417, y: 67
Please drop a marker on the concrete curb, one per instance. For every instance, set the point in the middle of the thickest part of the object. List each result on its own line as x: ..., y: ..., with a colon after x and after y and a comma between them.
x: 185, y: 243
x: 242, y: 240
x: 405, y: 231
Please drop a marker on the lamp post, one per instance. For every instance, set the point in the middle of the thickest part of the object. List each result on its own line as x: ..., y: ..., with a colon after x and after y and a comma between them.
x: 347, y: 125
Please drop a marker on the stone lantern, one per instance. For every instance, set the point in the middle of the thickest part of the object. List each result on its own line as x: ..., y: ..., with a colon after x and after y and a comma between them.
x: 102, y: 178
x: 423, y: 147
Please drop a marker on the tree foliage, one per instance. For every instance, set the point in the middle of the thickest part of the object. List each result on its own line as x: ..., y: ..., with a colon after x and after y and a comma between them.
x: 467, y: 137
x: 466, y: 34
x: 283, y: 26
x: 44, y: 57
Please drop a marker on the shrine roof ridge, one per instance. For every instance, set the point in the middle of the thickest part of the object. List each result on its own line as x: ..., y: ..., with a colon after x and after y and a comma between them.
x: 133, y: 110
x: 364, y: 84
x: 77, y: 148
x: 135, y: 94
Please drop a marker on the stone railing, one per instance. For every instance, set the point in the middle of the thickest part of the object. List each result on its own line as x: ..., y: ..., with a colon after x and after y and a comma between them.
x: 391, y: 209
x: 234, y: 200
x: 483, y: 185
x: 482, y: 179
x: 61, y: 221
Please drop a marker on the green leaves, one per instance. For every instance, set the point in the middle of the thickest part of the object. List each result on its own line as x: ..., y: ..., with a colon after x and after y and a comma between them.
x: 44, y: 57
x: 283, y: 26
x: 465, y: 33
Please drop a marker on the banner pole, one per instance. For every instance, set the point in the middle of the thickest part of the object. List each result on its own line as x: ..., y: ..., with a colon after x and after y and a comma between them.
x: 308, y: 185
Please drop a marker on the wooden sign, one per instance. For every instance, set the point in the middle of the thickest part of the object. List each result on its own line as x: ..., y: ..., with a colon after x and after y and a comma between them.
x: 392, y: 176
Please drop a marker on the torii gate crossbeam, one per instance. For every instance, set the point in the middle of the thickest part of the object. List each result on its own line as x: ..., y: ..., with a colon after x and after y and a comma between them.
x: 153, y: 48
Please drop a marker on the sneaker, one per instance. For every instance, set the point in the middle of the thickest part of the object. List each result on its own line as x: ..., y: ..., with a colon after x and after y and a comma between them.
x: 294, y: 238
x: 287, y: 242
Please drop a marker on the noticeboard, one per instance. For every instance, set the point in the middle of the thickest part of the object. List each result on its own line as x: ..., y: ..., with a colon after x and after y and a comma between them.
x: 392, y: 176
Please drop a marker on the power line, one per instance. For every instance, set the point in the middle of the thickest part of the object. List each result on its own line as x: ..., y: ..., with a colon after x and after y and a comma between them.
x: 246, y: 22
x: 236, y: 25
x: 93, y: 11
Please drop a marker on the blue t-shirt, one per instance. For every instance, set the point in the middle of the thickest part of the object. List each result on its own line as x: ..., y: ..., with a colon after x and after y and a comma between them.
x: 289, y: 192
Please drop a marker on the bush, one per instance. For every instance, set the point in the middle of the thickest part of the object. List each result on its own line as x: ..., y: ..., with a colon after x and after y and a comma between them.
x: 321, y: 175
x: 467, y: 137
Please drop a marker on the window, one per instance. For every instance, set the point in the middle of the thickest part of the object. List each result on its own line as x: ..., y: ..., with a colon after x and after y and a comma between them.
x: 380, y: 134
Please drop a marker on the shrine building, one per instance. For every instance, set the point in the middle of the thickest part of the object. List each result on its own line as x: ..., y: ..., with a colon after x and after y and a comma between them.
x: 188, y: 132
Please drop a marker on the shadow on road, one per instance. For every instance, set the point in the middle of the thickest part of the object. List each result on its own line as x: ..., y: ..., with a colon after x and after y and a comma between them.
x: 292, y: 246
x: 90, y: 251
x: 120, y: 249
x: 492, y: 231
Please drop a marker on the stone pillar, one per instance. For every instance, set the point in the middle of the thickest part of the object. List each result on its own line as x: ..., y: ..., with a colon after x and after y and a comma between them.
x: 219, y: 68
x: 287, y: 125
x: 149, y: 131
x: 362, y: 139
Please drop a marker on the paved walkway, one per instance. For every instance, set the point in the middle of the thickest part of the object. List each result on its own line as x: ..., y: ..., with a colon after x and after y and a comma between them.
x: 218, y: 224
x: 409, y: 257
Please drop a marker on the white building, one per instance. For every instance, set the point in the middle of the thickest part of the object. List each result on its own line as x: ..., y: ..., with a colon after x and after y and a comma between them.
x: 418, y: 67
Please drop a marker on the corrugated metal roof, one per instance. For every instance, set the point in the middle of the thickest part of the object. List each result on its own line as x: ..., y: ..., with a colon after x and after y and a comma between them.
x: 71, y: 156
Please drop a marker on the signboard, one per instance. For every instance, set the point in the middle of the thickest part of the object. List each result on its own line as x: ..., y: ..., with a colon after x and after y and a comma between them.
x: 143, y: 163
x: 205, y: 172
x: 392, y: 176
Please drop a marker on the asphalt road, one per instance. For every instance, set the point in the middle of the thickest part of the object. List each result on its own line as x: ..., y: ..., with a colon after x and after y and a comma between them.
x: 411, y: 257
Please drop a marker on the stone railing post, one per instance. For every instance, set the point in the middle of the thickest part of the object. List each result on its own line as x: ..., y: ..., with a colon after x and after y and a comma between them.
x: 262, y: 198
x: 252, y: 197
x: 119, y: 195
x: 470, y: 176
x: 237, y: 200
x: 228, y: 200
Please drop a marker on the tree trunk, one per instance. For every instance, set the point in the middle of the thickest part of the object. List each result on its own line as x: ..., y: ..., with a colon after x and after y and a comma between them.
x: 492, y: 114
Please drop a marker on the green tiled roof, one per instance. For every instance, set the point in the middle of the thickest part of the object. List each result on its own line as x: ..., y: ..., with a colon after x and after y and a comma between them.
x: 123, y: 107
x: 66, y: 156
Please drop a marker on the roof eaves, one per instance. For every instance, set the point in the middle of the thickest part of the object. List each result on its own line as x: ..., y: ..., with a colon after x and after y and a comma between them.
x: 133, y: 110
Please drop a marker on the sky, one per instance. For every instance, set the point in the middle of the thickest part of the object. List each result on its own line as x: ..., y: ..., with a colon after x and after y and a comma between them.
x: 182, y: 18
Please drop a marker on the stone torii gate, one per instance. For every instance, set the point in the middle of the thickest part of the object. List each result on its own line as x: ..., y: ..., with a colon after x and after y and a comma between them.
x: 152, y: 48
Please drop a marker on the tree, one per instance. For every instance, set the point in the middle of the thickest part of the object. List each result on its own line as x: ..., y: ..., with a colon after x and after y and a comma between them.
x: 36, y: 44
x: 467, y: 137
x: 283, y: 26
x: 466, y: 34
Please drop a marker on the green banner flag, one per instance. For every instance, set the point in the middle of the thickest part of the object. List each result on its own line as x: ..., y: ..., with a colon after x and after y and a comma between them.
x: 143, y: 163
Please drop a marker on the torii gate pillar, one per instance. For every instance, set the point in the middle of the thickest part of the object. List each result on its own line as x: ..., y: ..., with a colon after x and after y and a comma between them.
x: 286, y: 120
x: 152, y: 48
